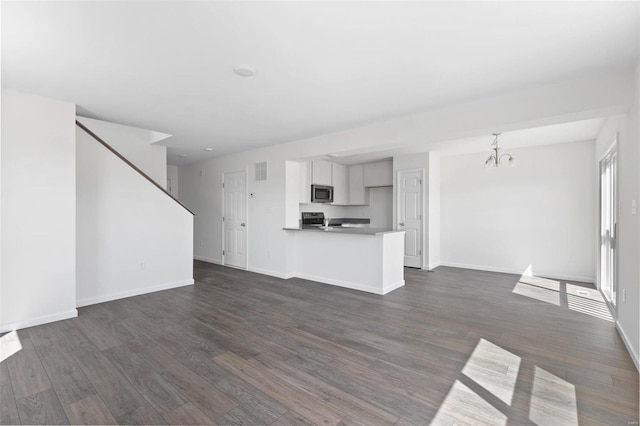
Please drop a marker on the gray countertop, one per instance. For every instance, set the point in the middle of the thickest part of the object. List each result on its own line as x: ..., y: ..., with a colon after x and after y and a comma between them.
x: 347, y: 230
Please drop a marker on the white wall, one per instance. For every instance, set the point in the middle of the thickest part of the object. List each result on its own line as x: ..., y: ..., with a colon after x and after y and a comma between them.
x: 274, y: 206
x: 172, y: 179
x: 379, y: 210
x: 136, y: 145
x: 541, y: 212
x: 38, y: 210
x: 131, y: 237
x: 429, y: 163
x: 627, y: 129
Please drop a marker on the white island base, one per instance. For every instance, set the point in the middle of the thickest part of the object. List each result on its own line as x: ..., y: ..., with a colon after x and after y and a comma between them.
x: 371, y: 262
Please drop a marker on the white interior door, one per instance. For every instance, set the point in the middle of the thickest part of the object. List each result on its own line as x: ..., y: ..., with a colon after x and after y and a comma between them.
x: 409, y: 215
x: 608, y: 225
x: 235, y: 219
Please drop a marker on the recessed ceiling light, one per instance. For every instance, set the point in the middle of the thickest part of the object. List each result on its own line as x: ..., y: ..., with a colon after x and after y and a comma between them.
x: 244, y: 70
x: 208, y: 149
x: 182, y: 155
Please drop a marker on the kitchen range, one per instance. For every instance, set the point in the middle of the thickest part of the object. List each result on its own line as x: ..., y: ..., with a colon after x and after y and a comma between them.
x: 354, y: 256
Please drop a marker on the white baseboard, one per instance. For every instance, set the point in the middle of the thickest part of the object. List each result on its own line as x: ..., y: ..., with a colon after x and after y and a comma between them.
x: 17, y: 325
x: 271, y: 273
x: 206, y: 259
x: 627, y: 343
x: 430, y: 267
x: 563, y: 277
x: 129, y: 293
x: 392, y: 287
x: 345, y: 284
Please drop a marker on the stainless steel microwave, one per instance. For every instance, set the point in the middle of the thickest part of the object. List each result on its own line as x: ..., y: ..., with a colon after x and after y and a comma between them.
x: 321, y: 194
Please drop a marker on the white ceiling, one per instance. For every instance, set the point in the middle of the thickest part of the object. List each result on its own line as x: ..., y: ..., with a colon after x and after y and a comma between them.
x: 576, y: 131
x: 321, y: 66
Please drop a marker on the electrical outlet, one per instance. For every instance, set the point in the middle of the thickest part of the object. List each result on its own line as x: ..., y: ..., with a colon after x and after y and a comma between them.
x: 268, y: 253
x: 201, y: 243
x: 624, y: 294
x: 142, y: 265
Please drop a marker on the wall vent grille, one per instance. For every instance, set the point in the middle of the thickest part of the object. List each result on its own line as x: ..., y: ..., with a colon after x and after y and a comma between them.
x: 261, y: 171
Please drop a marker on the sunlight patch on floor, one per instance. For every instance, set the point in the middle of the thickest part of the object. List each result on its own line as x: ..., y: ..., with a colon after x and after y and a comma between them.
x: 462, y: 406
x: 542, y: 294
x: 590, y: 307
x: 493, y: 368
x: 553, y: 400
x: 9, y: 345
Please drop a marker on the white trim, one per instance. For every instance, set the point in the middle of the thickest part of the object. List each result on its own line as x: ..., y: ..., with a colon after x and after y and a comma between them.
x: 392, y: 287
x: 206, y: 259
x: 579, y: 278
x: 431, y: 267
x: 271, y: 273
x: 38, y: 321
x: 627, y: 343
x: 135, y: 292
x: 339, y: 283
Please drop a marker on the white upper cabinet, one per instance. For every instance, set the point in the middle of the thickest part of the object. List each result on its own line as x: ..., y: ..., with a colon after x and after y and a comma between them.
x: 357, y: 191
x: 304, y: 180
x: 340, y: 184
x: 378, y: 174
x: 321, y: 173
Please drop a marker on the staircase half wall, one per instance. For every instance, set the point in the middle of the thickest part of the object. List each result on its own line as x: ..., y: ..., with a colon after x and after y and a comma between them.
x: 131, y: 237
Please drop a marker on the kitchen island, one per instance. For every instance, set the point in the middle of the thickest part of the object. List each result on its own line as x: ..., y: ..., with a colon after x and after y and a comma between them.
x: 366, y: 259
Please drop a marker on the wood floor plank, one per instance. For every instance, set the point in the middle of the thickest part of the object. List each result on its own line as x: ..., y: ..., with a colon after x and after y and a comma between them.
x: 144, y: 415
x: 43, y: 408
x: 307, y: 405
x: 68, y: 380
x: 90, y: 411
x: 331, y: 395
x: 451, y: 346
x: 212, y: 401
x: 161, y: 395
x: 187, y: 414
x: 8, y: 410
x: 114, y: 389
x: 292, y: 418
x: 28, y: 376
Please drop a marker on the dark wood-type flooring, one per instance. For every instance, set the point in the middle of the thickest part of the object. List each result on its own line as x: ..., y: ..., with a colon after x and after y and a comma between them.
x: 451, y: 347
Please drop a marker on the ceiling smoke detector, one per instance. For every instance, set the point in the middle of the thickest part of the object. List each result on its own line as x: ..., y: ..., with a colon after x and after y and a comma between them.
x: 244, y: 70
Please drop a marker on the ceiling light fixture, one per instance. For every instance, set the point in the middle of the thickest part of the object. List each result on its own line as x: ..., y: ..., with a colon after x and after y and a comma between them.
x: 182, y: 155
x: 333, y: 155
x: 208, y: 149
x: 244, y: 71
x: 495, y: 159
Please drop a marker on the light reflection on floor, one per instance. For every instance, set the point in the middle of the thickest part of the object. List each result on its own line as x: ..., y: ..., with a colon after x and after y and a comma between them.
x: 553, y: 400
x: 576, y: 298
x: 9, y: 345
x: 495, y: 369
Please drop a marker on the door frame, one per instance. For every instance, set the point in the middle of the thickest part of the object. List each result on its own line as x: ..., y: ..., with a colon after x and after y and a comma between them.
x: 423, y: 194
x: 613, y: 145
x: 246, y: 215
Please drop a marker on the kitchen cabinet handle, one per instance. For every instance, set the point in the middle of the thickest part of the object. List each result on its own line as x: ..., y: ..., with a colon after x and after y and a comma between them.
x: 401, y: 224
x: 242, y: 224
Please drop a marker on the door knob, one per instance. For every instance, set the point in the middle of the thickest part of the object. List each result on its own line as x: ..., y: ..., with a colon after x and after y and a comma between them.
x: 242, y: 224
x: 401, y: 224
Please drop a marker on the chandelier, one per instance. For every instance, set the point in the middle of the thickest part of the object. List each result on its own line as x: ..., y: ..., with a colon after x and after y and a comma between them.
x: 495, y: 159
